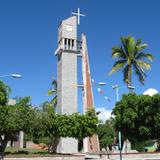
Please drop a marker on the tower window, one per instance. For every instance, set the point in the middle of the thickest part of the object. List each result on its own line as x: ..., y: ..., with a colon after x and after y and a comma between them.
x: 65, y: 43
x: 72, y: 43
x: 69, y: 43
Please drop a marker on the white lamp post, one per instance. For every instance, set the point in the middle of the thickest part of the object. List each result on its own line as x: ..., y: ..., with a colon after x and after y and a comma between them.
x: 116, y: 87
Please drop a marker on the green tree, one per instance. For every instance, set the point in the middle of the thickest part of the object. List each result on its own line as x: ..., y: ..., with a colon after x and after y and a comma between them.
x: 46, y: 105
x: 40, y: 124
x: 15, y: 118
x: 106, y: 134
x: 131, y: 58
x: 52, y: 125
x: 4, y: 93
x: 53, y: 92
x: 139, y: 117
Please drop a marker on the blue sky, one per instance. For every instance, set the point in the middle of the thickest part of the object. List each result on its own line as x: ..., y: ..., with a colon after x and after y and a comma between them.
x: 28, y: 39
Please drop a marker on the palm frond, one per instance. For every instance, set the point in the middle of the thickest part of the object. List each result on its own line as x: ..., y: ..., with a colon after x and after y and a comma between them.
x: 54, y: 101
x: 143, y: 55
x: 117, y: 66
x: 140, y: 47
x: 117, y: 52
x: 130, y: 45
x: 138, y: 42
x: 143, y: 64
x: 140, y: 73
x: 51, y: 92
x: 54, y: 82
x: 124, y: 45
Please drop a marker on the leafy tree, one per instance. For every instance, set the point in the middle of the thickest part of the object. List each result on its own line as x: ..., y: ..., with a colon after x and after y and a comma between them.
x: 52, y: 125
x: 40, y: 124
x: 106, y: 134
x: 138, y: 117
x: 53, y: 92
x: 4, y: 93
x: 13, y: 119
x: 131, y: 58
x: 46, y: 105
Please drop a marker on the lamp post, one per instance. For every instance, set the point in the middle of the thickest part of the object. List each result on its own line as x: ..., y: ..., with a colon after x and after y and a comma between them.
x: 116, y: 87
x: 11, y: 75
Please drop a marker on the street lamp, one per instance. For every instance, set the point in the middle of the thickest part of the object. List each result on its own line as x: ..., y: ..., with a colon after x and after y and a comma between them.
x: 116, y: 87
x: 12, y: 75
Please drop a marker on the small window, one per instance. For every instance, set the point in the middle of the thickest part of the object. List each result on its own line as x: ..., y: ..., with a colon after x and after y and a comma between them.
x: 69, y: 43
x: 65, y: 41
x: 72, y: 43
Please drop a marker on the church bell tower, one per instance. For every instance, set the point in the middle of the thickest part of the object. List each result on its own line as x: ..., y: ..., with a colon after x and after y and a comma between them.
x: 67, y: 77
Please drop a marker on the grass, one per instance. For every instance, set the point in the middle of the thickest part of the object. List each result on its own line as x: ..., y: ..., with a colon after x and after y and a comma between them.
x: 14, y: 150
x: 25, y: 152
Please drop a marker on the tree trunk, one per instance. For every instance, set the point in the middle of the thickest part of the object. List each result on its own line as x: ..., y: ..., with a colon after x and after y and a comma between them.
x: 53, y: 147
x: 130, y: 83
x: 3, y: 144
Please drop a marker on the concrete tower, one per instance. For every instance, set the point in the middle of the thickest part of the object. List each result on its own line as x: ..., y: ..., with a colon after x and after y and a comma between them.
x: 67, y: 77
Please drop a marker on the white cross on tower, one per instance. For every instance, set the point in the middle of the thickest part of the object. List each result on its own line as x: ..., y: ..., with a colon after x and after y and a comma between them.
x: 78, y: 14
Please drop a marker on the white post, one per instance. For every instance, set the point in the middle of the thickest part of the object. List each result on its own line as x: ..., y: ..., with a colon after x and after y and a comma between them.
x: 21, y: 138
x: 117, y: 93
x: 119, y: 133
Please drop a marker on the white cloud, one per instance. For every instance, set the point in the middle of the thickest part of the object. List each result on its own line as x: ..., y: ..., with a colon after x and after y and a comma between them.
x: 150, y: 92
x: 104, y: 113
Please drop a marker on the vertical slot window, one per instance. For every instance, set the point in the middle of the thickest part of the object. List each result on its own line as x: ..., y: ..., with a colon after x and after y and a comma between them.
x: 72, y: 43
x: 65, y: 43
x: 69, y: 44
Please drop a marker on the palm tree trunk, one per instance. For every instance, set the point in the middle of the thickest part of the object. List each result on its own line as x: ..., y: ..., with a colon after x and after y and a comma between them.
x: 130, y: 81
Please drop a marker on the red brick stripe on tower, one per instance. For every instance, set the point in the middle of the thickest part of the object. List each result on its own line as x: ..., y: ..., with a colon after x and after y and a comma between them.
x: 88, y: 102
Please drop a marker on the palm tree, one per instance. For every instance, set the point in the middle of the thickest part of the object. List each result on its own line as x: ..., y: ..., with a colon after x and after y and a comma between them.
x: 46, y: 106
x: 131, y: 58
x: 53, y: 91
